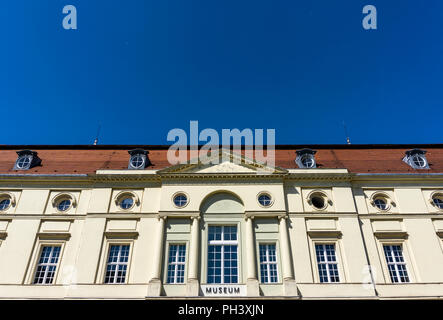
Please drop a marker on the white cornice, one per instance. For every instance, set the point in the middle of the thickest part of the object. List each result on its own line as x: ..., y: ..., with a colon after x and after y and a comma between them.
x: 110, y: 176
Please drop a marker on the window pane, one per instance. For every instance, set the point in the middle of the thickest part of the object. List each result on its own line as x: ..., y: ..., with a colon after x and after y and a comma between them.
x: 176, y: 263
x: 268, y: 264
x: 396, y: 263
x: 222, y: 254
x: 117, y: 264
x: 47, y: 265
x: 327, y: 263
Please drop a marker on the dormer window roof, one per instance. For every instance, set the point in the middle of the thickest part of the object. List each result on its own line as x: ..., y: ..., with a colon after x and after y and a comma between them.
x: 306, y: 158
x: 26, y: 159
x: 416, y: 158
x: 139, y: 159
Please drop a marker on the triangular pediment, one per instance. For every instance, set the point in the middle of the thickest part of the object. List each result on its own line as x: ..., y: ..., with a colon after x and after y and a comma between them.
x: 224, y: 167
x: 222, y: 162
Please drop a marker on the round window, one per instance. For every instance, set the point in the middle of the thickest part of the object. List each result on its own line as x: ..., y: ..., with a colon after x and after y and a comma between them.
x: 137, y: 161
x: 318, y: 201
x: 4, y: 204
x: 437, y: 200
x: 180, y: 200
x: 381, y: 204
x: 126, y: 203
x: 265, y: 200
x: 438, y: 203
x: 23, y: 162
x: 419, y: 161
x: 307, y: 161
x: 64, y: 205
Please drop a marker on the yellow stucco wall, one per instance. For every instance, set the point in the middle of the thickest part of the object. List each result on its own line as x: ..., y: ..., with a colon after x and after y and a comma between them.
x: 349, y: 221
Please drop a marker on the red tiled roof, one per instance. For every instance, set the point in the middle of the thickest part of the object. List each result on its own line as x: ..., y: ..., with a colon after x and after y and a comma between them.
x: 88, y: 159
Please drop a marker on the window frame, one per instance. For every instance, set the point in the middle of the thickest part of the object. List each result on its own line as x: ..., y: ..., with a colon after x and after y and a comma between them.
x: 407, y: 257
x: 47, y: 265
x: 421, y: 159
x: 118, y: 263
x: 8, y: 206
x: 5, y: 195
x: 28, y: 164
x: 110, y: 241
x: 327, y: 263
x: 184, y: 263
x: 436, y: 195
x: 35, y: 257
x: 307, y: 158
x: 276, y: 262
x: 178, y: 194
x: 269, y: 195
x: 223, y: 243
x: 404, y: 263
x: 339, y: 255
x: 133, y: 157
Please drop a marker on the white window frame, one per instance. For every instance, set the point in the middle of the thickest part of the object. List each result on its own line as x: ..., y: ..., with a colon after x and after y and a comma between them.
x: 108, y: 251
x: 334, y: 238
x: 176, y: 263
x: 223, y: 243
x: 395, y: 264
x: 408, y: 256
x: 47, y: 265
x: 268, y: 263
x: 326, y: 262
x: 42, y: 241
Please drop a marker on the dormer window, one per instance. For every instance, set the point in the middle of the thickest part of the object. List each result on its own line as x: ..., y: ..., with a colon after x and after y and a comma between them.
x: 27, y: 159
x: 416, y: 158
x: 139, y: 159
x: 306, y: 158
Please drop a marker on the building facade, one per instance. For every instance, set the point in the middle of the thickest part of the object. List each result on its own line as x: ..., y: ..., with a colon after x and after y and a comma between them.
x: 120, y: 222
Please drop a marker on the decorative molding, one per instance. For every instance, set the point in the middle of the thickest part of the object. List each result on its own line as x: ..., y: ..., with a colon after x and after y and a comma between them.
x: 391, y: 234
x: 179, y: 214
x: 54, y: 235
x: 121, y: 234
x: 336, y: 234
x: 266, y: 214
x: 223, y: 161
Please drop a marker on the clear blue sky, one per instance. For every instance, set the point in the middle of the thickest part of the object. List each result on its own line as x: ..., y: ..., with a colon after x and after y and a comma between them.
x: 141, y: 68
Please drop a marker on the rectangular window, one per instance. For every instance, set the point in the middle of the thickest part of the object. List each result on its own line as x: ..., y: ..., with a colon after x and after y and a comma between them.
x: 396, y: 263
x: 176, y: 263
x: 47, y: 265
x: 117, y: 264
x: 268, y: 263
x: 222, y: 254
x: 327, y: 263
